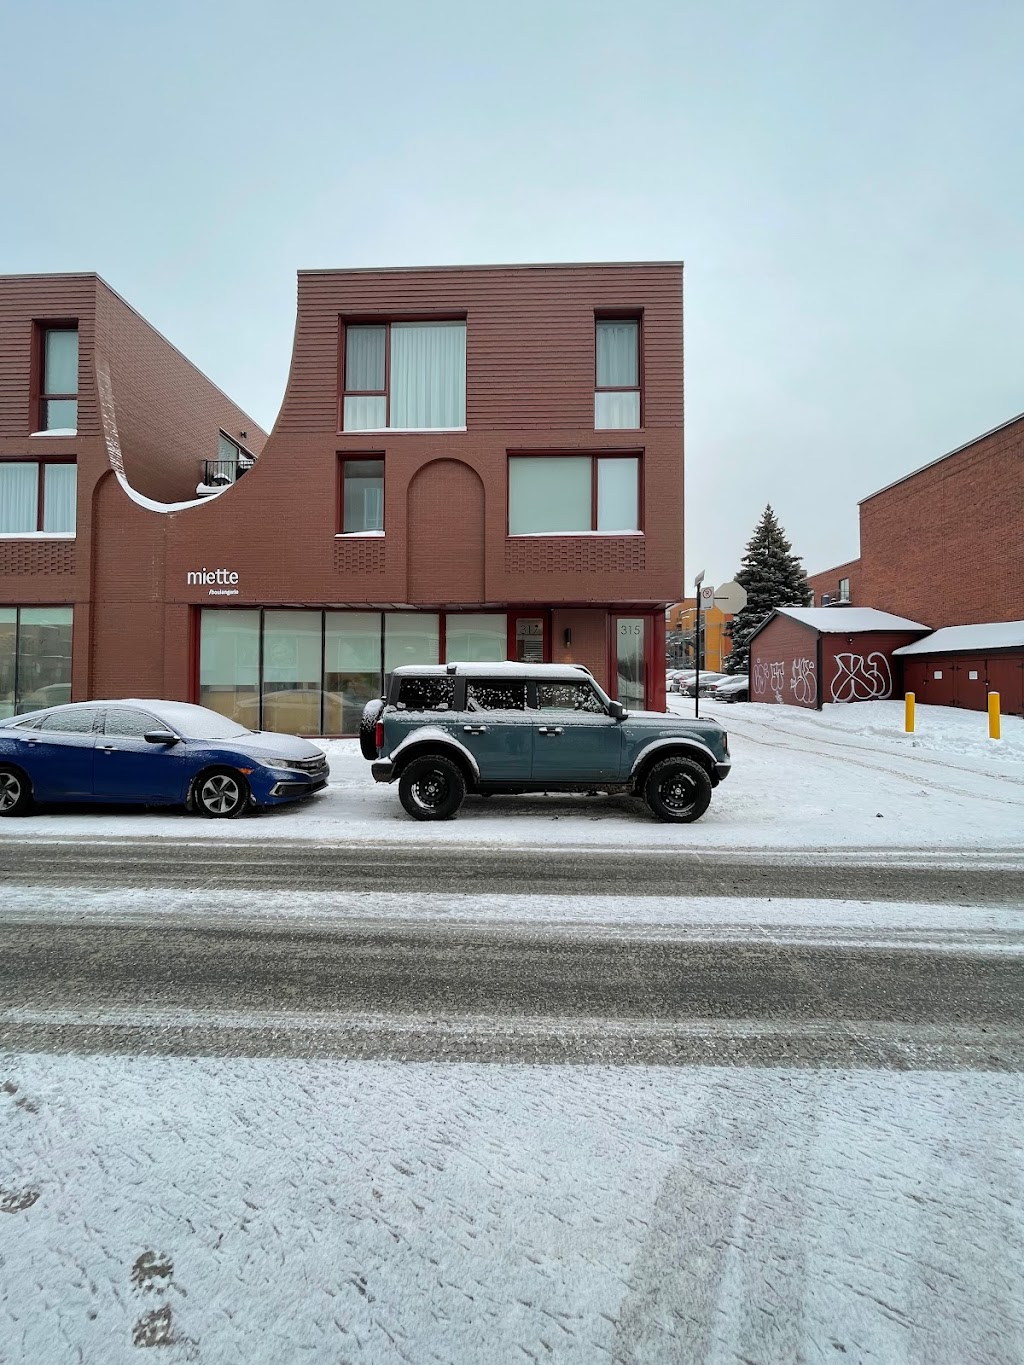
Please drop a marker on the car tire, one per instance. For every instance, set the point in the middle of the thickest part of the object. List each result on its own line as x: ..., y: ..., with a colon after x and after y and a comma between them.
x: 15, y: 791
x: 367, y: 726
x: 431, y: 788
x: 678, y: 790
x: 220, y: 794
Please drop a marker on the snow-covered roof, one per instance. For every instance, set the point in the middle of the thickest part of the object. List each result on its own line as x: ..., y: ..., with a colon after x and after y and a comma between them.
x: 551, y: 672
x: 848, y: 620
x: 960, y: 639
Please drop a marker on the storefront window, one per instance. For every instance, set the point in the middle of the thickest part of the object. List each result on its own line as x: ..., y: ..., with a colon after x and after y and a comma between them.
x: 229, y: 665
x: 35, y: 658
x: 292, y: 671
x: 351, y: 668
x: 410, y: 637
x: 476, y: 638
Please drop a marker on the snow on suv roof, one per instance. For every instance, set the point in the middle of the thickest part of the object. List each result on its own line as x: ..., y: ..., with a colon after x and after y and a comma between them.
x: 495, y: 670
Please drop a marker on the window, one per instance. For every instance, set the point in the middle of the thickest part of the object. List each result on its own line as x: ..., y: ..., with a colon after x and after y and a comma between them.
x: 617, y: 386
x: 35, y: 658
x: 405, y: 376
x: 362, y: 496
x: 569, y: 697
x: 426, y: 694
x: 77, y: 722
x: 59, y: 393
x: 119, y: 720
x: 570, y: 494
x: 844, y: 590
x: 476, y: 638
x: 495, y: 695
x: 38, y: 496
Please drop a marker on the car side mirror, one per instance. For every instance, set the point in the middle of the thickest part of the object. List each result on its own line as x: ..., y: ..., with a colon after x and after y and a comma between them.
x: 616, y: 710
x: 160, y: 737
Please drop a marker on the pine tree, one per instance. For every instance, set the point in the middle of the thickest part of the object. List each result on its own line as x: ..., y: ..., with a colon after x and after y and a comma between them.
x: 773, y: 577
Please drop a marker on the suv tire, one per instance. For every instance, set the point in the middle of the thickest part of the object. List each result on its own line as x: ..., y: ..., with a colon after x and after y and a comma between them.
x: 367, y: 728
x: 678, y: 790
x: 431, y: 787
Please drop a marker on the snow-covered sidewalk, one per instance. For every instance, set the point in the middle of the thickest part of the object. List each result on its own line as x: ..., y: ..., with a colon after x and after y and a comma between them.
x: 264, y: 1211
x: 845, y: 777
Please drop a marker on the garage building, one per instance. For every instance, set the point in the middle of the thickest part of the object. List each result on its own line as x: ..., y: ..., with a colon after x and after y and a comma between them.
x: 804, y: 656
x: 961, y: 665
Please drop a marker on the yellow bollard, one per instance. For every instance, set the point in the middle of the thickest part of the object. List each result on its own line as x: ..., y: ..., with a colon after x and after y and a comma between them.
x: 909, y: 726
x: 993, y: 715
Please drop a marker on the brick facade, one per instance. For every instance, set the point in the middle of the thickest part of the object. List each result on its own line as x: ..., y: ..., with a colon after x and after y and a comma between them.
x: 827, y: 583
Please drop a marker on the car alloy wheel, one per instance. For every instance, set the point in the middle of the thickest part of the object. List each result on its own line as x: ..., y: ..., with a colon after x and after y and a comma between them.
x: 11, y: 790
x: 221, y: 795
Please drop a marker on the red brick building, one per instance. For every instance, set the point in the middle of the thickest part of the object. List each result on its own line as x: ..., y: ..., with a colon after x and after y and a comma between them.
x: 474, y: 463
x: 945, y: 544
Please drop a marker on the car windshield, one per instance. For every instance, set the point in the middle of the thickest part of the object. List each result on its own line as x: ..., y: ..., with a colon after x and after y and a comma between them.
x: 197, y: 722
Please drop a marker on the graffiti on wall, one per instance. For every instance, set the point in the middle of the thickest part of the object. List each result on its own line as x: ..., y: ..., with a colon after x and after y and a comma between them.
x: 862, y: 679
x: 802, y: 682
x: 770, y: 678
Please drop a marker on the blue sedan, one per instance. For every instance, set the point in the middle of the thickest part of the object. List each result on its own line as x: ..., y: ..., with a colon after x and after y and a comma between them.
x: 151, y: 753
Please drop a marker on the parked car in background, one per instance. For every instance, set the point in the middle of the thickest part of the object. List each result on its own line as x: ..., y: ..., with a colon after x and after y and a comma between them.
x: 680, y: 677
x: 733, y: 687
x: 443, y: 730
x: 702, y: 680
x: 151, y: 753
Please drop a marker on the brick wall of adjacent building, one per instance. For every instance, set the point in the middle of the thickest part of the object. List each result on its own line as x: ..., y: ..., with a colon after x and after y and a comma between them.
x: 828, y: 581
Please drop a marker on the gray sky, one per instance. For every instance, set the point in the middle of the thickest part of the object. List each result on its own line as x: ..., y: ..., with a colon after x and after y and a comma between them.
x: 844, y: 181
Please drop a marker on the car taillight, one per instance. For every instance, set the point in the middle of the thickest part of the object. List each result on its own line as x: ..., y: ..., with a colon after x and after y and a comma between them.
x: 378, y: 735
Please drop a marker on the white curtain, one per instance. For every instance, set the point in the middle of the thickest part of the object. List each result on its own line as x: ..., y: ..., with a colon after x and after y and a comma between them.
x: 428, y: 374
x: 548, y: 493
x: 618, y: 495
x: 618, y: 355
x: 364, y: 359
x: 19, y: 496
x: 60, y: 494
x: 61, y: 361
x: 365, y: 413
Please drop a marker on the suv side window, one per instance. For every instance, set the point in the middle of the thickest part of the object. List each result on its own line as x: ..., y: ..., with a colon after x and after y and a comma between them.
x: 426, y: 694
x: 569, y: 697
x: 498, y: 694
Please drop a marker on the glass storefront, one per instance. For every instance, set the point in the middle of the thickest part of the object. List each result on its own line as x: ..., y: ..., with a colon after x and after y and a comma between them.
x: 35, y: 658
x: 312, y: 672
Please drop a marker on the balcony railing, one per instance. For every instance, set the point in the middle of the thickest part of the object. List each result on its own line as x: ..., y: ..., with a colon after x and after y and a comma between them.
x: 222, y: 473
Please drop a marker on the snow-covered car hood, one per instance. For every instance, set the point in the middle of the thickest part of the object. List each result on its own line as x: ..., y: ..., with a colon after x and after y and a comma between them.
x: 266, y: 744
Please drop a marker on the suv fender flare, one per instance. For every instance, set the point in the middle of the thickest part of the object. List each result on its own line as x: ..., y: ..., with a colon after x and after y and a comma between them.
x: 432, y: 737
x: 660, y: 748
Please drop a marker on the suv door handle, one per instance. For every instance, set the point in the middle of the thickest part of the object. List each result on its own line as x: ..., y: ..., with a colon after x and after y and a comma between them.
x: 549, y: 729
x: 475, y: 729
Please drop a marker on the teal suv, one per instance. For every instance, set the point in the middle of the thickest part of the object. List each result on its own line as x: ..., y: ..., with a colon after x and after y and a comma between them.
x: 444, y: 730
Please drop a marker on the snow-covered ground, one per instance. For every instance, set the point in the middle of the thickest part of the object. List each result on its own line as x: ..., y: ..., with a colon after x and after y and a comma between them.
x: 267, y: 1211
x: 845, y: 777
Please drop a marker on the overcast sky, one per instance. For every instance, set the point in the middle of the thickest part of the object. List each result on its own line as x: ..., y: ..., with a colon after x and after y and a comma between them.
x: 845, y: 183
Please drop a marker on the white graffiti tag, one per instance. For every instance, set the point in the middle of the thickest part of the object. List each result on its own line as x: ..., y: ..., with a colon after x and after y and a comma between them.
x: 769, y: 677
x: 861, y: 679
x: 802, y: 682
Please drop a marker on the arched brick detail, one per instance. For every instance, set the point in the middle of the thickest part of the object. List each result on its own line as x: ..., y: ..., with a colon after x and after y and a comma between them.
x: 446, y: 534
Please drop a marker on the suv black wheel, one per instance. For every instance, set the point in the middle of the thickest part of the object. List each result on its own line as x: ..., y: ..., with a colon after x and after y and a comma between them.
x: 431, y: 788
x: 15, y: 792
x: 368, y: 727
x: 220, y: 794
x: 678, y: 790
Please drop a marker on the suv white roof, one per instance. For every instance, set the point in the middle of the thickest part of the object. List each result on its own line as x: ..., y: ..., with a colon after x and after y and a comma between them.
x: 551, y: 672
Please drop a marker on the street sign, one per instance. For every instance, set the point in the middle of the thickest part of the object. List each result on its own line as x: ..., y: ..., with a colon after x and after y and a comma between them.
x: 730, y: 598
x: 707, y: 597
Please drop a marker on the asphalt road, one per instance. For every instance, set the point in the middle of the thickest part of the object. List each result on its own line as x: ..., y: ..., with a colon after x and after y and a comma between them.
x: 390, y: 986
x: 905, y: 875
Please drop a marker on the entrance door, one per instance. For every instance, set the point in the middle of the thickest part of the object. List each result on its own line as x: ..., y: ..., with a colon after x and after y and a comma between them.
x: 528, y: 637
x: 631, y: 684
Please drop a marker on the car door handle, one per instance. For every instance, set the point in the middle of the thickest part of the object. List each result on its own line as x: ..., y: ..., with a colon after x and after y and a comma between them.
x: 475, y: 729
x: 107, y: 748
x: 549, y: 730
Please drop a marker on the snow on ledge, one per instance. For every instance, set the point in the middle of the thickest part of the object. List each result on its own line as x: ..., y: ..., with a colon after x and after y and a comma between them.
x: 954, y: 639
x: 568, y: 535
x: 37, y: 535
x: 56, y: 431
x: 359, y: 535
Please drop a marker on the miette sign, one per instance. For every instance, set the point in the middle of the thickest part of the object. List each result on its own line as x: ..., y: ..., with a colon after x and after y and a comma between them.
x: 221, y: 582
